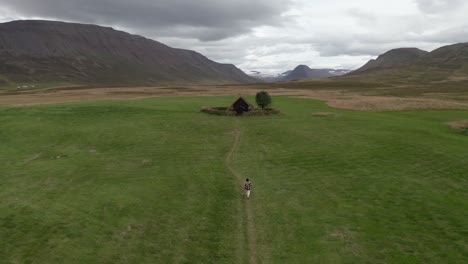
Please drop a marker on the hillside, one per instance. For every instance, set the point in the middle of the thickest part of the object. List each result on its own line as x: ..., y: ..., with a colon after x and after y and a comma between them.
x: 394, y: 58
x: 451, y: 57
x: 448, y: 63
x: 49, y: 51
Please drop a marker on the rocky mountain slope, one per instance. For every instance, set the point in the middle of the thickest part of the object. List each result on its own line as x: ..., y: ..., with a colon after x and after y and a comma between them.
x: 410, y: 64
x: 49, y: 51
x: 394, y: 58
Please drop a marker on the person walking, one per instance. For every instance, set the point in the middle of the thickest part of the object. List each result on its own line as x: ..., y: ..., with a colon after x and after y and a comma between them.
x: 248, y: 187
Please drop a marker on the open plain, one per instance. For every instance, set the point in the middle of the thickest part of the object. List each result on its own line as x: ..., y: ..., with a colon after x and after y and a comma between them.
x: 89, y: 179
x: 362, y: 96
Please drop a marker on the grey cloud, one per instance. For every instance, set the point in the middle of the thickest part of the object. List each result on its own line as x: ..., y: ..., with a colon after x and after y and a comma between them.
x: 444, y: 36
x: 205, y: 34
x: 233, y: 50
x: 206, y: 20
x: 369, y: 45
x: 439, y: 6
x: 351, y: 46
x: 380, y: 33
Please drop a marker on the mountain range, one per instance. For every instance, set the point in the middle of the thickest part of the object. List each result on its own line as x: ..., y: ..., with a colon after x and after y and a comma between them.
x: 300, y: 72
x: 51, y: 51
x: 394, y: 58
x: 411, y: 64
x: 36, y: 51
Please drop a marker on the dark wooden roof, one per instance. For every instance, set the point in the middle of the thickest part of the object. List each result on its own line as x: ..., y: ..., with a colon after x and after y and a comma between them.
x: 242, y: 102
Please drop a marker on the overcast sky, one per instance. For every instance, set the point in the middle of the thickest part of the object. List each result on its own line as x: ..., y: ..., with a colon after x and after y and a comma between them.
x: 270, y: 36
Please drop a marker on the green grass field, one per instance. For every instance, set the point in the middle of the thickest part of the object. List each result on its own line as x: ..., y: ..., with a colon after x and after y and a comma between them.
x: 147, y: 181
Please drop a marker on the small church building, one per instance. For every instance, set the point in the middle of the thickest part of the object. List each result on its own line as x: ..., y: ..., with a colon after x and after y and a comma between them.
x: 240, y: 106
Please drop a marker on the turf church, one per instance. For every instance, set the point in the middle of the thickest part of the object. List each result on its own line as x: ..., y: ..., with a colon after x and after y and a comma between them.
x: 241, y: 105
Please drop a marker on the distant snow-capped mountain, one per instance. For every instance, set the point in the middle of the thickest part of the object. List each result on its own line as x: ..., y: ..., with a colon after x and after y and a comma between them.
x: 300, y: 72
x: 264, y: 76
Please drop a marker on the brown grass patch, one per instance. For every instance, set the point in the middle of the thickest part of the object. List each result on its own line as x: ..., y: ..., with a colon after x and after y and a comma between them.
x: 346, y: 236
x: 376, y: 103
x: 33, y: 158
x: 461, y: 126
x: 324, y: 114
x: 341, y: 234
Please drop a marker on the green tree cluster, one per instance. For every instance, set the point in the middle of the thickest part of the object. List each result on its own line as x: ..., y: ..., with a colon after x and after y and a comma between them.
x: 263, y: 99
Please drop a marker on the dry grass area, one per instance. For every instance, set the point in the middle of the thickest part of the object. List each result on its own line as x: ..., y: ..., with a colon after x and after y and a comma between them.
x: 379, y: 103
x: 462, y: 125
x: 351, y: 99
x: 324, y: 114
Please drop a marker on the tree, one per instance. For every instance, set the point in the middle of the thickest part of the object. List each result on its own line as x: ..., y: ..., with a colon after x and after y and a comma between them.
x: 263, y: 99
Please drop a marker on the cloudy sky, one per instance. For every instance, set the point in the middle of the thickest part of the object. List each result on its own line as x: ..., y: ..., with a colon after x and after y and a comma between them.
x: 270, y: 36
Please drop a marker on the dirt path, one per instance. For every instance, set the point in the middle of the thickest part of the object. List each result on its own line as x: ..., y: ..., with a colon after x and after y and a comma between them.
x: 240, y: 180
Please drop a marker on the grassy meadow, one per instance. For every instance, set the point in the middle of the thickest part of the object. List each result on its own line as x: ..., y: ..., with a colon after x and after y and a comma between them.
x: 147, y: 181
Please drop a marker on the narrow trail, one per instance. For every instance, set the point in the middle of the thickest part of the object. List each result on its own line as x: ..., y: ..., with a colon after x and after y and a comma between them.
x: 250, y: 219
